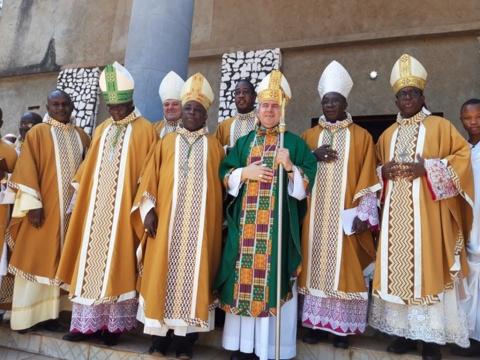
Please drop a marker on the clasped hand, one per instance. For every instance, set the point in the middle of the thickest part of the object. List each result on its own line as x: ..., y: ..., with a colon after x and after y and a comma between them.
x: 259, y: 172
x: 393, y: 170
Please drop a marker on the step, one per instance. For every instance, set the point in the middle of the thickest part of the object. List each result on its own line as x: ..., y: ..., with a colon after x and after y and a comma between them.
x: 135, y: 346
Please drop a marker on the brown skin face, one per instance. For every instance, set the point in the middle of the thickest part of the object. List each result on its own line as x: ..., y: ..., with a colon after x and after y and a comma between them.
x: 172, y: 110
x: 409, y: 101
x: 334, y: 106
x: 27, y: 121
x: 120, y: 111
x: 470, y: 116
x: 59, y: 106
x: 244, y: 97
x: 194, y: 116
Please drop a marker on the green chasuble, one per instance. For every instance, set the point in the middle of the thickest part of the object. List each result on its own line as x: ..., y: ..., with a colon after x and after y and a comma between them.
x: 247, y: 278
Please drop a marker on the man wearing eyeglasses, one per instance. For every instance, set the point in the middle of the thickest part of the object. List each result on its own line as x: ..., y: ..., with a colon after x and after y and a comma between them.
x: 231, y: 129
x: 427, y: 196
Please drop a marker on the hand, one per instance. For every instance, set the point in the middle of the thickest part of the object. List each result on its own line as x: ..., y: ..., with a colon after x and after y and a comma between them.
x: 150, y: 223
x: 36, y: 217
x: 411, y: 171
x: 390, y: 170
x: 415, y: 170
x: 283, y: 157
x: 256, y: 171
x: 325, y: 153
x: 359, y: 226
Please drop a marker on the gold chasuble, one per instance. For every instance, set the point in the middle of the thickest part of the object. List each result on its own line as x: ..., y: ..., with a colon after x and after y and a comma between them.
x: 51, y: 154
x: 6, y: 281
x: 10, y: 158
x: 179, y: 265
x: 232, y: 129
x: 422, y: 239
x: 98, y: 260
x: 332, y: 262
x: 163, y: 128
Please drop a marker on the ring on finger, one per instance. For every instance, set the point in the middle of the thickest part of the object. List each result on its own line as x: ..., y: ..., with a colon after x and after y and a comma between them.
x: 325, y: 156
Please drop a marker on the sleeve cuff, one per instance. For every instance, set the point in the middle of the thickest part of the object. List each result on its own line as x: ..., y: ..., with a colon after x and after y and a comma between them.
x: 296, y: 187
x: 439, y: 181
x: 235, y: 182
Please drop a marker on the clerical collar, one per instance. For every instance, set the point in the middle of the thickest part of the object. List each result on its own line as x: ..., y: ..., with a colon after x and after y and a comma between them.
x: 252, y: 115
x: 55, y: 123
x: 261, y: 130
x: 191, y: 134
x: 171, y: 124
x: 417, y: 118
x: 127, y: 120
x: 324, y: 123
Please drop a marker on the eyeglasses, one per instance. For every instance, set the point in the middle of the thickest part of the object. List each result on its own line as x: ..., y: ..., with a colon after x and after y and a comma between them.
x: 413, y: 94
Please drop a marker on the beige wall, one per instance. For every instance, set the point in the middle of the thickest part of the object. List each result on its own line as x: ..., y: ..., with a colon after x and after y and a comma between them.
x: 19, y: 92
x: 85, y: 32
x: 363, y: 35
x: 223, y: 25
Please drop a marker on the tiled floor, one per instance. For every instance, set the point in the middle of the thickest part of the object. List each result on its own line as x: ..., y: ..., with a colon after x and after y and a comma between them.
x: 49, y: 345
x: 9, y: 354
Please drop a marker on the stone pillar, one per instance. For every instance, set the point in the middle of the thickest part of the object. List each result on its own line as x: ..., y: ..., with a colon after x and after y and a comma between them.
x: 158, y: 41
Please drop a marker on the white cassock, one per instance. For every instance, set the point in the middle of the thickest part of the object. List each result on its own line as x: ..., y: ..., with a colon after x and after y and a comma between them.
x: 472, y: 304
x: 247, y: 333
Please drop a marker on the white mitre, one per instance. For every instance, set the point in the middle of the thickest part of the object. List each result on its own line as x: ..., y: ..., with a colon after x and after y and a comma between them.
x: 171, y: 87
x: 335, y: 78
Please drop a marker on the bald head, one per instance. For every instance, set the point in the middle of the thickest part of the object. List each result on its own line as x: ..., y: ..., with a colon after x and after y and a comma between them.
x: 59, y: 106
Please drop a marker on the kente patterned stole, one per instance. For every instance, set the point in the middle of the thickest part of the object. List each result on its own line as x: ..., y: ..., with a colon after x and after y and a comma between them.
x: 252, y: 269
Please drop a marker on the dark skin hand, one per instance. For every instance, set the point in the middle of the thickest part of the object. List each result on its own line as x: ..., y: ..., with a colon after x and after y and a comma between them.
x: 151, y: 223
x: 359, y: 226
x: 36, y: 217
x: 410, y: 171
x: 325, y: 153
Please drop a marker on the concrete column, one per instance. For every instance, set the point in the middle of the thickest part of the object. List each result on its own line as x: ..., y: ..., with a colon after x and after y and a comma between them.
x: 158, y: 41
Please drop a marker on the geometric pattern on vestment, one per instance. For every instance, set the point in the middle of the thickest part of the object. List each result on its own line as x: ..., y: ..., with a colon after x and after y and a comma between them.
x: 186, y: 227
x: 401, y: 230
x: 68, y: 156
x: 103, y: 210
x: 242, y: 125
x: 252, y: 269
x: 327, y: 202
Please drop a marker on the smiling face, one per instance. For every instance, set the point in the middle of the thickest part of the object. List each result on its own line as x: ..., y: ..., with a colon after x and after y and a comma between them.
x: 59, y: 106
x: 334, y: 106
x: 244, y: 97
x: 172, y: 110
x: 194, y: 115
x: 470, y: 116
x: 269, y: 114
x: 120, y: 111
x: 409, y: 101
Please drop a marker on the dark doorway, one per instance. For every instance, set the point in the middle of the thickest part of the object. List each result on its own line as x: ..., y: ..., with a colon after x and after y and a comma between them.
x: 374, y: 124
